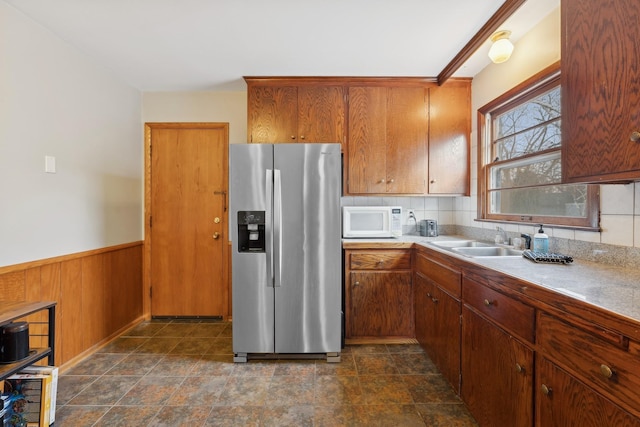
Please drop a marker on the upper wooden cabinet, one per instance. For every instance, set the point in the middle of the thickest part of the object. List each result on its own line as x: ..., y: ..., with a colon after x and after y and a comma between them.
x: 449, y: 136
x: 387, y: 140
x: 600, y: 90
x: 289, y: 111
x: 399, y: 135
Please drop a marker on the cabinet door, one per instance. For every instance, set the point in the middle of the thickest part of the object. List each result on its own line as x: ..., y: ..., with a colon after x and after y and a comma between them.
x: 600, y: 90
x: 406, y: 140
x: 561, y: 400
x: 367, y: 171
x: 272, y: 114
x: 449, y: 136
x: 425, y: 313
x: 380, y: 304
x: 321, y: 114
x: 497, y: 374
x: 438, y: 327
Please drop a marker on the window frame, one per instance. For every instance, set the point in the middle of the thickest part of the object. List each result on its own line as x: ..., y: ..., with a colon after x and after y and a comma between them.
x: 525, y: 91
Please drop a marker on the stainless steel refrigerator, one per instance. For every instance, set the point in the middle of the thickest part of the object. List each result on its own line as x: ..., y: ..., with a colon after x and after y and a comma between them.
x: 287, y: 262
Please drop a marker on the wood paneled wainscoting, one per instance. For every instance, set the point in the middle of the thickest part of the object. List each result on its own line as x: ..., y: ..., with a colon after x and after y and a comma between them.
x: 99, y: 295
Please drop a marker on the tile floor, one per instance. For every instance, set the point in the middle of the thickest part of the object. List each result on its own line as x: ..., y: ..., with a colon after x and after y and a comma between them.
x: 181, y: 373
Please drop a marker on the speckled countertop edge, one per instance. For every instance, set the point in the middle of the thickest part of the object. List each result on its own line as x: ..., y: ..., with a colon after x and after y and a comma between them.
x: 611, y: 288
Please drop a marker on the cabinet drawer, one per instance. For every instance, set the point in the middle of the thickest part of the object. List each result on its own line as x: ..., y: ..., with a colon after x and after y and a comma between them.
x: 514, y: 316
x: 611, y: 370
x: 444, y: 276
x: 380, y: 260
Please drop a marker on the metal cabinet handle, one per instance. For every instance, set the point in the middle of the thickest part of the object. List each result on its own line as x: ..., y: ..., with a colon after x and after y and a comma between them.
x: 435, y: 300
x: 635, y: 136
x: 546, y: 390
x: 356, y: 283
x: 301, y: 136
x: 606, y: 371
x: 383, y: 180
x: 487, y: 302
x: 216, y: 235
x: 293, y: 137
x: 391, y: 180
x: 519, y: 368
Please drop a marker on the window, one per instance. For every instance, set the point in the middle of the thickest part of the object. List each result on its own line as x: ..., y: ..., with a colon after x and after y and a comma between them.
x: 521, y: 167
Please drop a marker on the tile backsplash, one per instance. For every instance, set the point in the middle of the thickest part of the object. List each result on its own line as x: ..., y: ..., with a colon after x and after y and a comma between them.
x: 617, y: 243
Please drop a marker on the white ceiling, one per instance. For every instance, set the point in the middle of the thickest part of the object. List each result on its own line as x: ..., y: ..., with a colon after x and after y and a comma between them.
x: 194, y: 45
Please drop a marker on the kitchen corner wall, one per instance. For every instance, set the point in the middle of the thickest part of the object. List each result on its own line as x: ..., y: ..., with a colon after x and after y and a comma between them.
x: 56, y: 101
x: 619, y: 241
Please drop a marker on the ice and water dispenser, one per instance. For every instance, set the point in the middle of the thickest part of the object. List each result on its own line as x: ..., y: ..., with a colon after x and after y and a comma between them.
x: 251, y: 231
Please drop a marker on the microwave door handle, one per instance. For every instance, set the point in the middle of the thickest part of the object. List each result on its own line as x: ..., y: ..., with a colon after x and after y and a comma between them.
x: 269, y: 227
x: 277, y: 228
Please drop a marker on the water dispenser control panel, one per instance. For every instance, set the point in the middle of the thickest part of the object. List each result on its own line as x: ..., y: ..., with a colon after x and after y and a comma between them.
x: 251, y: 231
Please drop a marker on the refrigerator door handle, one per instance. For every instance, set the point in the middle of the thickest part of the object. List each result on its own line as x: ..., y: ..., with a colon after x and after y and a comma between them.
x: 269, y: 229
x: 277, y: 228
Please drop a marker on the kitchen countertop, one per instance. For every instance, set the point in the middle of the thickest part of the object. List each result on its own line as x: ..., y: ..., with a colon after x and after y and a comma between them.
x: 613, y: 289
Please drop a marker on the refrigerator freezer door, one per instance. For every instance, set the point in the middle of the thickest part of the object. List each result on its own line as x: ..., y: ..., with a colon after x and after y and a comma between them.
x: 309, y: 296
x: 253, y: 292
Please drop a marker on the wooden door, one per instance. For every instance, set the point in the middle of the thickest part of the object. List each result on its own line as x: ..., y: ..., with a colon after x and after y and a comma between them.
x: 187, y: 219
x: 561, y: 400
x: 406, y: 148
x: 272, y: 114
x: 497, y: 374
x: 367, y: 140
x: 321, y: 114
x: 449, y: 136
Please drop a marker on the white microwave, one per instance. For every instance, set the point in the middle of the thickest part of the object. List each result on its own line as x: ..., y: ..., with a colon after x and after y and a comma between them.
x: 371, y: 221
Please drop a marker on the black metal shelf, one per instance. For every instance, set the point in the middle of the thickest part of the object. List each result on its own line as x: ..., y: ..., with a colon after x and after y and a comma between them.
x: 12, y: 311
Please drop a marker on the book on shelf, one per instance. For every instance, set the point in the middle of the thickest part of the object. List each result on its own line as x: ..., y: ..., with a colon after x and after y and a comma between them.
x: 29, y: 396
x: 47, y: 370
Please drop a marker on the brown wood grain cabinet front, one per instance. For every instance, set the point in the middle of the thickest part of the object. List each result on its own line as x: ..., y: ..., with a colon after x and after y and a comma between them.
x: 290, y: 111
x: 449, y: 138
x: 562, y: 400
x: 609, y: 370
x: 497, y: 368
x: 600, y: 90
x: 437, y: 313
x: 378, y: 294
x: 400, y: 135
x: 387, y: 140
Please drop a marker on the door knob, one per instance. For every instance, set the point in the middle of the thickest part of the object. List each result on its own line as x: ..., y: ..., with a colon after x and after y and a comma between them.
x: 216, y: 235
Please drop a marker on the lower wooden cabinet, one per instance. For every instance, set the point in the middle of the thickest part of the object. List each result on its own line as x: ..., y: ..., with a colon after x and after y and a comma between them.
x: 437, y: 323
x: 497, y: 374
x: 379, y: 301
x: 437, y: 313
x: 378, y: 294
x: 561, y: 400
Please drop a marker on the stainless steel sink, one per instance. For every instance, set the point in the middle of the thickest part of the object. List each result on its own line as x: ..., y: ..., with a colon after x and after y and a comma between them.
x: 459, y: 244
x: 488, y: 251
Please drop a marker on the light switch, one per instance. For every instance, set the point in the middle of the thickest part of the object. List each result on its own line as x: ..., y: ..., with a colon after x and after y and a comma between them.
x: 49, y: 164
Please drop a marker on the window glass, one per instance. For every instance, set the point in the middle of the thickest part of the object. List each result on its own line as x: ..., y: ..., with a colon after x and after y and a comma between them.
x: 522, y: 137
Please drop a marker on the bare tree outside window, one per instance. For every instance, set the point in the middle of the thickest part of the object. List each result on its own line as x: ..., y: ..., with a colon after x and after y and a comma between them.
x: 524, y: 174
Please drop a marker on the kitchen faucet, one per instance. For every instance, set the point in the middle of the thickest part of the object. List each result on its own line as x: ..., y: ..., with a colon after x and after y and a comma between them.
x: 502, y: 236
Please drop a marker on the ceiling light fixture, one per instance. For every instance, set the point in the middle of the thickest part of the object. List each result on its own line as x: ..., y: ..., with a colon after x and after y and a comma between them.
x: 502, y: 47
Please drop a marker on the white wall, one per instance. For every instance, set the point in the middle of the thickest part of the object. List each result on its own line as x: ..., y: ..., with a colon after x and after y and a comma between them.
x: 226, y: 107
x: 55, y: 101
